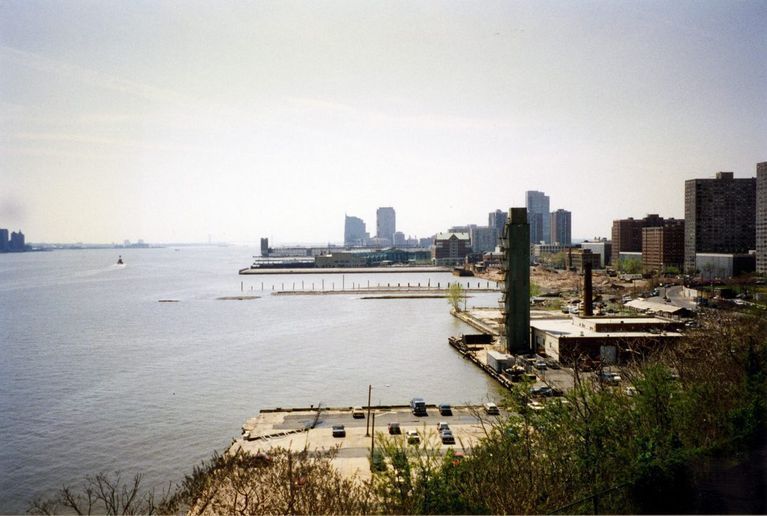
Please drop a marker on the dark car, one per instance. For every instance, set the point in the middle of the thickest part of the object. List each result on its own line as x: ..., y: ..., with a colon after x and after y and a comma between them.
x: 447, y: 437
x: 339, y: 431
x: 445, y: 410
x: 418, y: 407
x: 394, y: 429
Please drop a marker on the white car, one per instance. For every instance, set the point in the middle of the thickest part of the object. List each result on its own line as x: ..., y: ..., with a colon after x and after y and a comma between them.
x: 491, y: 408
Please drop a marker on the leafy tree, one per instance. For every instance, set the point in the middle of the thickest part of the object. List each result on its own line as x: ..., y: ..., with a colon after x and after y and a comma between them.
x: 455, y: 294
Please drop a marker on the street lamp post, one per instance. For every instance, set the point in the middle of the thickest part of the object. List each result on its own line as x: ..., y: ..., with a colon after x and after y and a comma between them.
x: 367, y: 423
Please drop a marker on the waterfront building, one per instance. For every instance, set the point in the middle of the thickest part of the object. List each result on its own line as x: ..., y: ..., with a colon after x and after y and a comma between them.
x: 537, y: 204
x: 720, y: 216
x: 761, y: 217
x: 607, y: 340
x: 354, y: 231
x: 451, y: 248
x: 386, y: 223
x: 603, y: 247
x: 663, y: 246
x: 17, y: 241
x: 515, y: 247
x: 483, y: 238
x: 627, y: 235
x: 560, y: 224
x: 265, y: 247
x: 4, y: 244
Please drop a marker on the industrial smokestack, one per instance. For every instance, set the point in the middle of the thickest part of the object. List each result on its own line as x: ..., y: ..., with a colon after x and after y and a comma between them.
x: 588, y: 294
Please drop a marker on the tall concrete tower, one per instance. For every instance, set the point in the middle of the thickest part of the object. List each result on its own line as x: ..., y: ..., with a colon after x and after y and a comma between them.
x: 515, y: 245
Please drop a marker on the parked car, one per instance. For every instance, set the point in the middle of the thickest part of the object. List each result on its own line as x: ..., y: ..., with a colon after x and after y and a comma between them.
x: 447, y: 437
x: 394, y: 429
x: 418, y: 407
x: 540, y: 365
x: 442, y: 425
x: 339, y: 431
x: 535, y: 405
x: 543, y: 390
x: 610, y: 378
x: 445, y: 410
x: 358, y: 413
x: 491, y: 408
x: 413, y: 437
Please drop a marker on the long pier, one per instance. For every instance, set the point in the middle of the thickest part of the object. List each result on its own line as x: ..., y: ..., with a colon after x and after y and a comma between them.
x: 342, y: 270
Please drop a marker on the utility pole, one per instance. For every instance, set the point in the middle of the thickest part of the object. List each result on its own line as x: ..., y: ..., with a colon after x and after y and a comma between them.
x: 373, y: 437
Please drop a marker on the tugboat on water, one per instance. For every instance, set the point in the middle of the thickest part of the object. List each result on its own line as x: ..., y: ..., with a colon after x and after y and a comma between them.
x: 120, y: 260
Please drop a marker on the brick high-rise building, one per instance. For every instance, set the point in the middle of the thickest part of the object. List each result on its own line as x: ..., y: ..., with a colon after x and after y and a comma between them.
x: 719, y: 216
x: 761, y: 217
x: 663, y: 246
x: 627, y: 235
x: 560, y: 222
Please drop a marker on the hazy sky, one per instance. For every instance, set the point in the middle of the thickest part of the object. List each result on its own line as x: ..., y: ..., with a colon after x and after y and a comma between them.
x: 170, y: 121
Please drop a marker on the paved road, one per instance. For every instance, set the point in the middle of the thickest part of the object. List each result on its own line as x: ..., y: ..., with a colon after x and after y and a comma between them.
x: 677, y: 299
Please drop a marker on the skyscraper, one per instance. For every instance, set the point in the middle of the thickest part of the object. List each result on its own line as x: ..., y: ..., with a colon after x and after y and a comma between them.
x: 560, y: 222
x: 4, y: 244
x: 354, y: 231
x: 497, y: 219
x: 761, y: 217
x: 386, y: 223
x: 537, y: 204
x: 719, y: 216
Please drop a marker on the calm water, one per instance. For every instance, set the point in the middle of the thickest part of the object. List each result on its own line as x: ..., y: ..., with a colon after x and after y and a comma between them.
x: 97, y: 375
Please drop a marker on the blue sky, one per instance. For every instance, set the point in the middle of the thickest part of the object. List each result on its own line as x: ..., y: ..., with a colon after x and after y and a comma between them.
x: 172, y: 121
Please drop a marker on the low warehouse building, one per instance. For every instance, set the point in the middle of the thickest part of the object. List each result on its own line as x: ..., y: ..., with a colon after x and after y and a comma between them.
x: 607, y: 340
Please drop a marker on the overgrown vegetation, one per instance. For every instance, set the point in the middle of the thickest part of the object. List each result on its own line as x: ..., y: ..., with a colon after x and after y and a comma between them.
x: 600, y: 448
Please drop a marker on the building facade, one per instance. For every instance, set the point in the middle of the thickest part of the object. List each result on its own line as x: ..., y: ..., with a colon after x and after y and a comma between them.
x: 719, y: 215
x: 17, y: 242
x: 560, y: 224
x: 451, y: 248
x: 627, y: 235
x: 761, y: 217
x: 4, y: 243
x: 604, y: 248
x: 663, y: 246
x: 386, y: 223
x: 483, y: 238
x: 537, y: 204
x: 354, y: 231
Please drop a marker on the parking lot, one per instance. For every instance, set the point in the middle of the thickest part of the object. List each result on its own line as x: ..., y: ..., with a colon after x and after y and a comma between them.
x: 467, y: 425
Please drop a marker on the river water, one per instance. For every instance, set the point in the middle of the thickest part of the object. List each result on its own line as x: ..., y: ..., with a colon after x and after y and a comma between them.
x: 97, y: 375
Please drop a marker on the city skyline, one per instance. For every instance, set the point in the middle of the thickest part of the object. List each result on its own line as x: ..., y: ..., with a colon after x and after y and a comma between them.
x: 171, y: 122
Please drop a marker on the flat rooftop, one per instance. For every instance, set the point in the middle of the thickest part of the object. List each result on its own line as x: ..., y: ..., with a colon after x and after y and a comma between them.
x: 572, y: 328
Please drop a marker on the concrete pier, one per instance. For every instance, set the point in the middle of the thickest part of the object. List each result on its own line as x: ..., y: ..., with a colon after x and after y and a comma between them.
x: 300, y: 428
x: 344, y: 270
